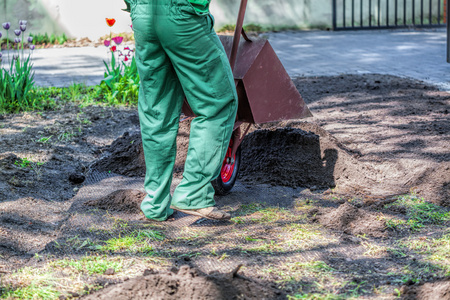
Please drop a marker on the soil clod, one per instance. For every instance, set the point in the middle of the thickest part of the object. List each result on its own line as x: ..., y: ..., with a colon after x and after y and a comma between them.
x: 432, y: 290
x: 352, y: 220
x: 77, y: 178
x: 125, y: 201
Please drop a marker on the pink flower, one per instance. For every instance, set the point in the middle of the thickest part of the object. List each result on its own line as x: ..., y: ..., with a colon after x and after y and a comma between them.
x: 126, y: 58
x: 106, y: 43
x: 113, y: 49
x: 118, y: 40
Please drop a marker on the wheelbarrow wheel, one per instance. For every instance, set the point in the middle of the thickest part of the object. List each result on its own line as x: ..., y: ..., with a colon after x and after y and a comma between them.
x: 228, y: 173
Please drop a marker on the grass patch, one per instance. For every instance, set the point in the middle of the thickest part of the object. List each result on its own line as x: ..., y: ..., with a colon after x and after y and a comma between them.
x: 136, y: 242
x: 304, y: 236
x: 51, y: 98
x: 317, y: 277
x: 265, y: 247
x: 373, y: 250
x: 257, y: 213
x: 435, y: 250
x: 71, y: 275
x: 418, y: 213
x: 33, y: 291
x: 304, y: 205
x: 89, y: 265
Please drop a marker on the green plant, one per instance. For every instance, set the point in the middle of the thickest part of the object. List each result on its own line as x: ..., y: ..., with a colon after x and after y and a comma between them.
x: 418, y: 212
x: 15, y: 86
x: 23, y: 162
x: 89, y: 264
x: 44, y: 139
x: 41, y: 39
x: 17, y: 80
x: 121, y: 83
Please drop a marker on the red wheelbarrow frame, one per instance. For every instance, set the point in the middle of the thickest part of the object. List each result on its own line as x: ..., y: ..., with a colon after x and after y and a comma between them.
x: 265, y: 91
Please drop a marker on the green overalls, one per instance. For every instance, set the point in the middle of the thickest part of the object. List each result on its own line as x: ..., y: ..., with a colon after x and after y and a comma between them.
x: 178, y: 53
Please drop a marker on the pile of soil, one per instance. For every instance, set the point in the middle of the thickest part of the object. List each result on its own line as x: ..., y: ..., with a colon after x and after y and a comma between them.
x: 300, y: 156
x: 351, y: 220
x: 188, y: 283
x: 288, y: 157
x: 125, y: 201
x: 126, y: 157
x: 428, y: 291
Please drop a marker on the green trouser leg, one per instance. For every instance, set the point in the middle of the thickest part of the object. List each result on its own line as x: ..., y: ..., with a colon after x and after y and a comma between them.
x: 178, y: 53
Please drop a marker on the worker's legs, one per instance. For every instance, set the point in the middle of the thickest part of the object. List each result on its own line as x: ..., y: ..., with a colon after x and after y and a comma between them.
x: 160, y: 101
x: 203, y: 69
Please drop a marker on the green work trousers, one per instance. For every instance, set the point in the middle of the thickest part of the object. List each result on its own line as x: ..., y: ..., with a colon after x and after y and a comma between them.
x: 179, y: 54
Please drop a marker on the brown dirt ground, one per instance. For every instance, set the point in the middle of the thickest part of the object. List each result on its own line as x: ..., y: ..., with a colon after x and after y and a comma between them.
x: 188, y: 283
x: 433, y: 290
x: 372, y: 137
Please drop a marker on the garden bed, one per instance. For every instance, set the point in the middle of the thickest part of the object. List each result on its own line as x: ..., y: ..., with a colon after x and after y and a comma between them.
x: 353, y: 202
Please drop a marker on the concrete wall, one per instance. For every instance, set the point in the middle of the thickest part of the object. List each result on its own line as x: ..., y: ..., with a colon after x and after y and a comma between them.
x: 76, y: 18
x: 86, y: 18
x: 275, y: 13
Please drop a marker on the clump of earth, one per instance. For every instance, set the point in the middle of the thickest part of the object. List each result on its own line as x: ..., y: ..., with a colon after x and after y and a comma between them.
x: 125, y: 156
x: 351, y: 220
x: 188, y: 283
x: 439, y: 289
x: 125, y: 201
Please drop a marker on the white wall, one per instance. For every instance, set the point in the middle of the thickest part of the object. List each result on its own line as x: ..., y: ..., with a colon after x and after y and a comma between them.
x: 86, y: 18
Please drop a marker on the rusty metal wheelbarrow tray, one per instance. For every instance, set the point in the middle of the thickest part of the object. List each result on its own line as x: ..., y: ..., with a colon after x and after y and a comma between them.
x: 266, y: 92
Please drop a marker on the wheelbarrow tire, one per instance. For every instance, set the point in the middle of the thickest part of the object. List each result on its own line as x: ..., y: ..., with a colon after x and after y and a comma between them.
x: 226, y: 179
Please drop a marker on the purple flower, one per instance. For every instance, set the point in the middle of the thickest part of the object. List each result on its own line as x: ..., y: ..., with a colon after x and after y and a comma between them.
x: 106, y: 43
x: 23, y: 27
x: 30, y: 39
x: 15, y: 56
x: 23, y: 22
x: 6, y: 25
x: 1, y: 55
x: 32, y: 47
x: 0, y: 34
x: 17, y: 40
x: 17, y: 32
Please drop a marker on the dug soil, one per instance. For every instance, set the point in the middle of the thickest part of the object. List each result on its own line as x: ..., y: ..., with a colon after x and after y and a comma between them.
x: 188, y: 283
x: 73, y: 177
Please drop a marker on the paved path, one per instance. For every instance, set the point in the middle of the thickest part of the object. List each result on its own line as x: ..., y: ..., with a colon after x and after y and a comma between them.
x: 415, y: 54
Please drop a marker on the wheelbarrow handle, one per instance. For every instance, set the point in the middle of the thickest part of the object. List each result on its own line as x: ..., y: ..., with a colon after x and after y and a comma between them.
x: 237, y: 33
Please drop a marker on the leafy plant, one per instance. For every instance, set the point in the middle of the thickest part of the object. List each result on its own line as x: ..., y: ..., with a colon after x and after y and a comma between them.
x: 121, y: 83
x: 15, y: 86
x: 17, y: 80
x: 41, y: 39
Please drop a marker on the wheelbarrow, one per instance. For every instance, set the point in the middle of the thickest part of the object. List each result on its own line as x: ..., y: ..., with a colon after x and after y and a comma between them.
x: 265, y: 92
